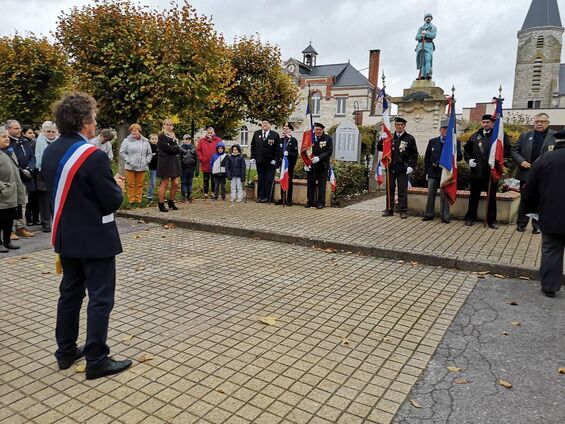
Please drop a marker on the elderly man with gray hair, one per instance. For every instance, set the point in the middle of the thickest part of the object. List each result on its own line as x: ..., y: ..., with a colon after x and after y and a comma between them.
x: 48, y: 135
x: 525, y: 151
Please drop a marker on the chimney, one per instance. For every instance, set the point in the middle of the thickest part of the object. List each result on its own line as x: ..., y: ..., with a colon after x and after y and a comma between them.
x: 374, y: 60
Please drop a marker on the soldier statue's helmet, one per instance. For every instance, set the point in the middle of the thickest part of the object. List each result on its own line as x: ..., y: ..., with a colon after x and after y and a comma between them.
x: 428, y: 15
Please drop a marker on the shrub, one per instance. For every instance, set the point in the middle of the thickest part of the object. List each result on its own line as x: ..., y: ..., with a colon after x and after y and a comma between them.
x: 350, y: 176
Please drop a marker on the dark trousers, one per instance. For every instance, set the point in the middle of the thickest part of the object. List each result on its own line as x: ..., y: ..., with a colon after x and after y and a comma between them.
x: 265, y: 177
x: 186, y: 184
x: 32, y: 208
x: 522, y: 219
x: 44, y: 201
x: 552, y: 246
x: 220, y: 186
x: 6, y: 229
x: 98, y: 278
x: 433, y: 185
x: 288, y: 195
x: 477, y: 186
x: 316, y: 180
x: 206, y: 181
x: 399, y: 180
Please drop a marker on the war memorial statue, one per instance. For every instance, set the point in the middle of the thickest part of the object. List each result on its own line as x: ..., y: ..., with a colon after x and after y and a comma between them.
x: 425, y: 48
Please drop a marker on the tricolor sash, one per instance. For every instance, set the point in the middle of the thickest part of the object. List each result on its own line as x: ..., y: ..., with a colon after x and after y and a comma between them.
x: 66, y: 171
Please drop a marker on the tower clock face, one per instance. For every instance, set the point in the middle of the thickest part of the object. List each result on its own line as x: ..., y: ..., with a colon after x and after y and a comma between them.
x: 290, y: 67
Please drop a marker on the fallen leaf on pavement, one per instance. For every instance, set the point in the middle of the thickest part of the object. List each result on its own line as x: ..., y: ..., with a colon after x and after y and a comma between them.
x: 140, y: 268
x: 414, y: 263
x: 80, y: 367
x: 451, y: 368
x: 386, y: 339
x: 516, y: 323
x: 513, y: 303
x: 221, y: 391
x: 505, y: 333
x: 524, y: 278
x: 561, y: 370
x: 415, y: 403
x: 505, y: 383
x: 137, y: 237
x: 481, y: 272
x: 127, y: 338
x: 169, y: 226
x: 329, y: 250
x: 145, y: 357
x: 344, y: 341
x: 269, y: 320
x: 140, y: 221
x: 45, y: 272
x: 500, y: 276
x: 461, y: 381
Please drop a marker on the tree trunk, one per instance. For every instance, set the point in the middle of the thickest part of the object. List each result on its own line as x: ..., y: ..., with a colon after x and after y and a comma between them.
x: 122, y: 131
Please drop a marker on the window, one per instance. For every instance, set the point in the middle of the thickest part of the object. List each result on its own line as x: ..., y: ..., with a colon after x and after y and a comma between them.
x: 316, y: 97
x: 243, y: 134
x: 534, y: 104
x: 341, y: 104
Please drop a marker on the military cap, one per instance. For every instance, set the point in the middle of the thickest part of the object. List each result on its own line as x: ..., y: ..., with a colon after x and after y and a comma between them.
x: 444, y: 123
x: 400, y: 119
x: 487, y: 116
x: 289, y: 125
x: 319, y: 125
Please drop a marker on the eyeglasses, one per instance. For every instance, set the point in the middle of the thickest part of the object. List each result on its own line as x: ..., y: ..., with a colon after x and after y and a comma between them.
x: 541, y: 122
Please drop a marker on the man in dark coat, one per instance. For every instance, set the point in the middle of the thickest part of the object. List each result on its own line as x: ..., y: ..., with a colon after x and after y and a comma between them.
x: 403, y: 162
x: 543, y: 196
x: 265, y: 153
x: 317, y: 173
x: 26, y: 162
x: 86, y: 238
x: 289, y: 148
x: 525, y: 151
x: 433, y: 174
x: 476, y: 153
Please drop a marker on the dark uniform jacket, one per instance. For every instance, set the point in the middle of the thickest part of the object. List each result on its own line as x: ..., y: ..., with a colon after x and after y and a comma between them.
x: 433, y: 156
x: 544, y: 188
x: 265, y: 150
x: 322, y: 148
x: 289, y: 145
x: 404, y: 152
x: 478, y: 148
x: 25, y: 155
x: 87, y: 228
x: 522, y: 150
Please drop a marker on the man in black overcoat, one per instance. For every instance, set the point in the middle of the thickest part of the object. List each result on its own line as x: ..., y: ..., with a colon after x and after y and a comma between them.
x: 86, y: 239
x: 543, y: 195
x: 317, y: 173
x: 265, y: 154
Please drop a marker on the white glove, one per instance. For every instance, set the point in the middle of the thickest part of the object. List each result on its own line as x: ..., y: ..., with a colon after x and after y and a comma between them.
x: 273, y: 162
x: 315, y: 159
x: 251, y: 161
x: 409, y: 170
x: 285, y: 153
x: 472, y: 163
x: 306, y: 168
x: 426, y: 177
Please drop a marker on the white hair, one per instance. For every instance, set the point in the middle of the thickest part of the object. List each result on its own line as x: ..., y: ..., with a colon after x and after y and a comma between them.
x: 48, y: 125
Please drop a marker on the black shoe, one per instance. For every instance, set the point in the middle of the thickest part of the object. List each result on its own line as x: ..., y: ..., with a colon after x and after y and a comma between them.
x: 536, y: 231
x: 320, y: 206
x: 46, y: 229
x: 427, y: 218
x: 66, y: 363
x: 549, y: 294
x: 520, y: 228
x: 162, y: 207
x: 493, y: 225
x: 172, y: 205
x: 289, y: 204
x: 108, y: 366
x: 11, y: 246
x: 279, y: 202
x: 445, y: 220
x: 468, y: 223
x: 30, y: 223
x: 308, y: 205
x: 387, y: 213
x: 3, y: 249
x: 36, y: 222
x: 264, y: 201
x: 403, y: 215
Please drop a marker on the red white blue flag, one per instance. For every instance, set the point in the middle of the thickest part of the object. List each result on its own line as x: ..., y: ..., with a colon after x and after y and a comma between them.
x: 307, y: 136
x: 448, y: 159
x: 66, y: 171
x: 496, y: 156
x: 332, y: 180
x: 386, y: 134
x: 284, y: 174
x: 379, y: 173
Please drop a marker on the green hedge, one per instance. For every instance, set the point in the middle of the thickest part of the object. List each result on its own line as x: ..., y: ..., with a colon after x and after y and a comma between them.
x: 350, y: 176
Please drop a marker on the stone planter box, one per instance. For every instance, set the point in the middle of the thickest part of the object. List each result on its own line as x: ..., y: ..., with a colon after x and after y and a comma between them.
x: 299, y: 195
x: 506, y: 204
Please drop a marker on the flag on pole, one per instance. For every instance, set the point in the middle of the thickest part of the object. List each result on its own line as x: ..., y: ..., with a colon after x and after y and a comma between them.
x: 386, y: 134
x: 331, y: 179
x: 379, y: 173
x: 448, y: 159
x: 496, y: 156
x: 283, y: 179
x: 308, y: 136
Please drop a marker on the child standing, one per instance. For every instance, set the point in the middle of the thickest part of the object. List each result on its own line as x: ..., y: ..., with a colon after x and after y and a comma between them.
x: 235, y: 171
x: 218, y: 168
x: 188, y: 165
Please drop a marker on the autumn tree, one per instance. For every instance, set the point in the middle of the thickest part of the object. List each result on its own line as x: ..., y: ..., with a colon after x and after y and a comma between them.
x: 33, y: 73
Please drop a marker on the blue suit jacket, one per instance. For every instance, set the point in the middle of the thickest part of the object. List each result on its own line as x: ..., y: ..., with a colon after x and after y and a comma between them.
x: 85, y: 230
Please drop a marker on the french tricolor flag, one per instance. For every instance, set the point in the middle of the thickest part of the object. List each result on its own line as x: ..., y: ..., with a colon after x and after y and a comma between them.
x: 496, y: 156
x: 332, y: 180
x: 284, y: 174
x: 379, y: 173
x: 448, y: 159
x: 386, y: 134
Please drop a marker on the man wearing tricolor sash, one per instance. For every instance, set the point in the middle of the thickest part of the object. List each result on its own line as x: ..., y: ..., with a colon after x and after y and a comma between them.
x: 85, y: 196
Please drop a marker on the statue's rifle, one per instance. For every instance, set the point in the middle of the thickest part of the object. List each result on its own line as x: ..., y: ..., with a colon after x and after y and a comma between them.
x: 422, y: 55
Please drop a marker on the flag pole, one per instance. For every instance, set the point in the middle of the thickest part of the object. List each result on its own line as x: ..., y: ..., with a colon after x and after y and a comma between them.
x: 388, y: 208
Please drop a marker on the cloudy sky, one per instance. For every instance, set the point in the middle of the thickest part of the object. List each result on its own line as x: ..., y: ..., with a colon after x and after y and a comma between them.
x: 475, y: 46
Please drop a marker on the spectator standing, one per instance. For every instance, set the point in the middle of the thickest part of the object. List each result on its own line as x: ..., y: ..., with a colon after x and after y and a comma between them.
x: 218, y: 167
x: 168, y: 165
x: 32, y: 206
x: 48, y: 135
x: 104, y: 142
x: 205, y: 150
x: 135, y: 151
x: 235, y: 171
x: 188, y: 165
x: 152, y: 167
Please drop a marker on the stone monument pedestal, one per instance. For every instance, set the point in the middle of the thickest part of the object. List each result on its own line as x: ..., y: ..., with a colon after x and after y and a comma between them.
x: 423, y: 106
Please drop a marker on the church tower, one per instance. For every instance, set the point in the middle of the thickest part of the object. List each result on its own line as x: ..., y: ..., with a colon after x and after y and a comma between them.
x: 539, y: 56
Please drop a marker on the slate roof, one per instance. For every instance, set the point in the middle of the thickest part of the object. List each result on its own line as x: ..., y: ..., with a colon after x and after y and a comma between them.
x: 542, y: 13
x: 345, y: 74
x: 309, y: 49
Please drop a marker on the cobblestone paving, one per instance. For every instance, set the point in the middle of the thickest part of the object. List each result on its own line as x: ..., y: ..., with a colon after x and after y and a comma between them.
x: 352, y: 337
x: 367, y: 228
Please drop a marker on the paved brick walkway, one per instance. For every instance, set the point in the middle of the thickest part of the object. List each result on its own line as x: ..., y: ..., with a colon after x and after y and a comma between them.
x: 353, y: 332
x: 476, y: 248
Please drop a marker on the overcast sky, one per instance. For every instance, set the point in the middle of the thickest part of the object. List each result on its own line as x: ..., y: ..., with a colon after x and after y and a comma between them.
x: 475, y: 45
